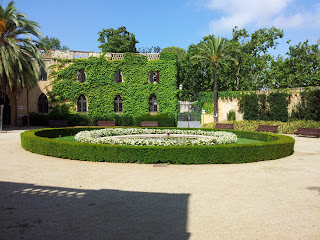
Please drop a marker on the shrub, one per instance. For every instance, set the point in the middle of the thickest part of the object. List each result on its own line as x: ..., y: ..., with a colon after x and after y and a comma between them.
x: 231, y: 115
x: 278, y: 106
x: 124, y: 120
x: 40, y: 141
x: 250, y: 106
x: 38, y: 119
x: 284, y: 127
x: 163, y: 120
x: 308, y: 108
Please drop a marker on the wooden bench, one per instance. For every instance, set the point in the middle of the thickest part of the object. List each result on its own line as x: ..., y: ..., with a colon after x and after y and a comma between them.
x: 58, y: 123
x: 224, y: 126
x: 308, y: 132
x: 149, y: 124
x: 106, y: 123
x: 267, y: 128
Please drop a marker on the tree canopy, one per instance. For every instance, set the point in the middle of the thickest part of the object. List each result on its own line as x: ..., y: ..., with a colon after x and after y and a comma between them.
x: 117, y: 40
x: 214, y: 51
x: 18, y: 51
x: 258, y: 69
x: 52, y: 43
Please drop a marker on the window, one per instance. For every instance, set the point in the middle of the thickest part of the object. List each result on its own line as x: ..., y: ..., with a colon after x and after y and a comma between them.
x: 118, y: 76
x: 118, y: 104
x: 43, y: 75
x: 82, y: 104
x: 82, y: 77
x: 154, y: 76
x: 153, y: 104
x: 43, y: 103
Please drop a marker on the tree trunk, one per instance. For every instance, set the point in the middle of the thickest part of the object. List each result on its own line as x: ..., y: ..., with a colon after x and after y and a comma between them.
x: 28, y: 114
x: 215, y: 93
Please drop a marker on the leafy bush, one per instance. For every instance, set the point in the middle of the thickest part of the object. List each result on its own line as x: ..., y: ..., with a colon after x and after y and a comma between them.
x: 40, y: 141
x: 231, y: 116
x: 163, y: 120
x: 308, y: 108
x: 278, y: 106
x: 38, y: 119
x: 250, y: 105
x: 124, y: 120
x: 284, y: 127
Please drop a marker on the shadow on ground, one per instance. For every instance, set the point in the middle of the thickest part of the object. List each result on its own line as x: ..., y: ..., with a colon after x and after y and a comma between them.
x: 39, y: 212
x: 314, y: 189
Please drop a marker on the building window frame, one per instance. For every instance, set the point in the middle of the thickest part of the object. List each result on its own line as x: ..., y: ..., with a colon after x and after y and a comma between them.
x: 118, y: 106
x: 154, y: 76
x: 81, y: 75
x: 153, y: 104
x: 82, y: 104
x: 118, y: 78
x: 43, y: 76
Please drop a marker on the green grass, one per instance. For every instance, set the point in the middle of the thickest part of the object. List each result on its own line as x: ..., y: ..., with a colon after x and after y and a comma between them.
x: 240, y: 140
x: 66, y: 138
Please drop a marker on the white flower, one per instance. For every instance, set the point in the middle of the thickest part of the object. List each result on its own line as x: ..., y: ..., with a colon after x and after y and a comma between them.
x: 104, y: 136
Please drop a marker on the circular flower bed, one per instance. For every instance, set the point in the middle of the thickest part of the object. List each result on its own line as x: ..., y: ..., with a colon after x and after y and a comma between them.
x: 273, y: 146
x: 105, y: 136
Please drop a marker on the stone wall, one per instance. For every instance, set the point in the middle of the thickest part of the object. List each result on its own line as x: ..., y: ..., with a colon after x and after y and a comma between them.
x: 225, y: 105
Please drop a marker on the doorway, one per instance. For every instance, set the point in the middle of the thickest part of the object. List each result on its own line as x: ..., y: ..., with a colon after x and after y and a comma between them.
x: 4, y: 99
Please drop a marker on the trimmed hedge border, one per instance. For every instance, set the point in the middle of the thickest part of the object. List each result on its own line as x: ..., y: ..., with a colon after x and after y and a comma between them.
x: 275, y: 146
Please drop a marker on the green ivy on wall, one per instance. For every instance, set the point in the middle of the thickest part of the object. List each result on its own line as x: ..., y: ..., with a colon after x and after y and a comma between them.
x: 135, y: 89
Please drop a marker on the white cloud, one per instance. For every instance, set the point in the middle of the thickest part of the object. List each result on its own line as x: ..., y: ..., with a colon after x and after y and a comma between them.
x: 258, y: 13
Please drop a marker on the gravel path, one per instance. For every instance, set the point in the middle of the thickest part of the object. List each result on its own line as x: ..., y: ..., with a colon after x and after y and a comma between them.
x: 49, y: 198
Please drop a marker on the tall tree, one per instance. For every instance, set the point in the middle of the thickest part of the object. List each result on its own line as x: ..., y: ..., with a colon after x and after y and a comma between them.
x: 301, y: 67
x: 117, y: 40
x: 214, y: 52
x: 52, y: 43
x: 18, y: 51
x: 254, y: 58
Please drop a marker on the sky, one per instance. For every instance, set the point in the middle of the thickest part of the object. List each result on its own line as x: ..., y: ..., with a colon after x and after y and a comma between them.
x: 168, y: 23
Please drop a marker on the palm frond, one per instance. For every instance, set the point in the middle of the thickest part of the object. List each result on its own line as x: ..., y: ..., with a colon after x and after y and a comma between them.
x: 18, y: 49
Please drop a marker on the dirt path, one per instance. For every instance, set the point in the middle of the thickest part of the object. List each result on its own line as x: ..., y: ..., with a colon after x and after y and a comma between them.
x: 49, y: 198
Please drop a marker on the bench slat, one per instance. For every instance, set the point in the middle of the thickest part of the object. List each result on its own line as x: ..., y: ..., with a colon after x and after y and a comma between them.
x: 224, y: 126
x: 308, y: 132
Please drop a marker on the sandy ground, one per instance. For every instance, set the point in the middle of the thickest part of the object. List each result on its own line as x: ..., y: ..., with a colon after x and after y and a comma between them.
x: 49, y: 198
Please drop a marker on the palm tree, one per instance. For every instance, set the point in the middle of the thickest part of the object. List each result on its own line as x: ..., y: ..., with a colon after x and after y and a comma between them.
x: 214, y: 51
x: 18, y: 50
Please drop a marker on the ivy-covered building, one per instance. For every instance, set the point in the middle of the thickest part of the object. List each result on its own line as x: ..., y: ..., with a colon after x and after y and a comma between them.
x: 101, y: 87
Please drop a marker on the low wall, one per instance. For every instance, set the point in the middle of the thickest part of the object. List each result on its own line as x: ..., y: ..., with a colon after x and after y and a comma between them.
x: 226, y: 105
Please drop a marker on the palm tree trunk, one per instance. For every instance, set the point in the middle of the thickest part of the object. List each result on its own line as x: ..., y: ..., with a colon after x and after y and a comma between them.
x: 215, y: 93
x: 28, y: 114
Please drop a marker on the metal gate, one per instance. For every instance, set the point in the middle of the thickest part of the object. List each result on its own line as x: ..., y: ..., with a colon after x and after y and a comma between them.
x: 189, y: 115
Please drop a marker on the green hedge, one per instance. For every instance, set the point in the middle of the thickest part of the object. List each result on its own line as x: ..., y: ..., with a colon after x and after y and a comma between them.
x: 164, y: 120
x: 284, y: 127
x: 40, y: 141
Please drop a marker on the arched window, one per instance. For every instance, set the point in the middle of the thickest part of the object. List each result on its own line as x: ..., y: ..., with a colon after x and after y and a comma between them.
x: 118, y: 104
x: 82, y: 77
x: 154, y: 76
x: 43, y: 103
x: 153, y: 104
x: 43, y: 75
x: 118, y: 76
x: 82, y: 104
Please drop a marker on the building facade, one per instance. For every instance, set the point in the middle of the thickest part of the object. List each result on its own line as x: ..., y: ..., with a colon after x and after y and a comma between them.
x: 98, y: 85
